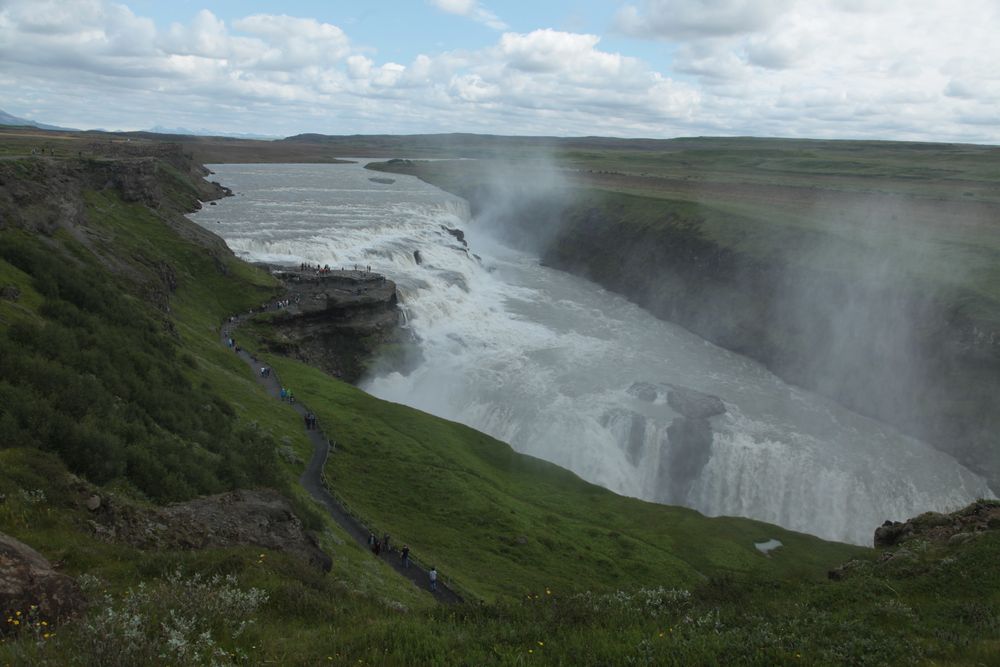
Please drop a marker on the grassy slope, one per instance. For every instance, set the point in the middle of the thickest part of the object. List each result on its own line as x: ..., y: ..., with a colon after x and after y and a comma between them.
x: 462, y: 499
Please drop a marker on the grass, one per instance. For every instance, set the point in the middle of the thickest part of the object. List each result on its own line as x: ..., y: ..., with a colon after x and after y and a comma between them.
x: 503, y: 524
x: 568, y: 573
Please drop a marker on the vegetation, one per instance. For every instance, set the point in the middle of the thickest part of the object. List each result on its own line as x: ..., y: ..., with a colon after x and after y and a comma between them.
x: 111, y: 368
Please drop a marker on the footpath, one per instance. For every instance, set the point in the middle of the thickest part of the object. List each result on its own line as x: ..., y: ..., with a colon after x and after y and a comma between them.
x: 312, y: 481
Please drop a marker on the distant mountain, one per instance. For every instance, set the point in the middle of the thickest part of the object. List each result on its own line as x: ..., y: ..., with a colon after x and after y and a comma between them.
x: 7, y: 119
x: 159, y: 129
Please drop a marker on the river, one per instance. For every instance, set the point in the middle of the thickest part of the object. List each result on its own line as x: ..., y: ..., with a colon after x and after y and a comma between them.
x: 566, y: 371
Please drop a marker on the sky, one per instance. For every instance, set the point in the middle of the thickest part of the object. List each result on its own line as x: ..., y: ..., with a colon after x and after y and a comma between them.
x: 871, y: 69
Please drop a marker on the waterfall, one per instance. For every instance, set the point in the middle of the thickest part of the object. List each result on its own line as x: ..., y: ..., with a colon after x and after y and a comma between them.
x: 565, y: 371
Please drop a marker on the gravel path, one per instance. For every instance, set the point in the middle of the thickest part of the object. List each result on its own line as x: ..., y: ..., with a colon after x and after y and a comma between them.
x: 312, y: 481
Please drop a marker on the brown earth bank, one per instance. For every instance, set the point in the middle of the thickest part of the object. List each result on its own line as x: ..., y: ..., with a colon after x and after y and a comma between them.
x: 334, y: 320
x: 261, y: 518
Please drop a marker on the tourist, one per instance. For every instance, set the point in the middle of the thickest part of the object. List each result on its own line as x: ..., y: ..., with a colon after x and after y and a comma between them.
x: 404, y: 555
x: 433, y: 576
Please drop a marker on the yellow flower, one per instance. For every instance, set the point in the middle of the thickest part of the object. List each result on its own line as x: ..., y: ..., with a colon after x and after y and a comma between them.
x: 45, y: 622
x: 541, y: 643
x: 531, y: 650
x: 17, y: 613
x: 45, y: 636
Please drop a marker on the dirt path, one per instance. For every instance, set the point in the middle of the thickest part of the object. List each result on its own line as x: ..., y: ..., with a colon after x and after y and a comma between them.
x: 312, y: 481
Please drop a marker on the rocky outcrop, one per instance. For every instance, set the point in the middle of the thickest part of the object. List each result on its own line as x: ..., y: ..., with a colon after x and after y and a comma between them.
x: 929, y: 538
x: 693, y: 404
x: 688, y: 445
x: 46, y: 196
x: 262, y: 518
x: 336, y: 320
x: 955, y: 527
x: 31, y: 588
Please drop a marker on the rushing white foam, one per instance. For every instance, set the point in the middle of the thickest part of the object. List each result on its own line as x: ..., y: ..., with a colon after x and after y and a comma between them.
x: 544, y: 361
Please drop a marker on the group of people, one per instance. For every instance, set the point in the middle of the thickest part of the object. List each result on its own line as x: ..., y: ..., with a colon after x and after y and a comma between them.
x: 318, y: 269
x: 385, y: 545
x: 376, y: 545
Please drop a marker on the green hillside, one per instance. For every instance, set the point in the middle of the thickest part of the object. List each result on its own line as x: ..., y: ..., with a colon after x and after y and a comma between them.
x: 112, y: 378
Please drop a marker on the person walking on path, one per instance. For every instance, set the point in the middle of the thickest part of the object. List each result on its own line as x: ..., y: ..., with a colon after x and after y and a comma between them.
x: 385, y: 543
x: 284, y: 393
x: 433, y: 576
x: 404, y: 556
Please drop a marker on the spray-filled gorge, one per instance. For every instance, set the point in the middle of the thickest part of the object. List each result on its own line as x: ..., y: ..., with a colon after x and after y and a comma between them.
x: 568, y: 372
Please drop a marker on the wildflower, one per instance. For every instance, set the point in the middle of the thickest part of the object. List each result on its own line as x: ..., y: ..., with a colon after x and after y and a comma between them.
x: 531, y: 650
x: 548, y: 592
x: 541, y: 643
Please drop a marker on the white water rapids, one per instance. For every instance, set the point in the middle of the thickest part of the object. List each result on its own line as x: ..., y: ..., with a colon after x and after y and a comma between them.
x: 544, y: 360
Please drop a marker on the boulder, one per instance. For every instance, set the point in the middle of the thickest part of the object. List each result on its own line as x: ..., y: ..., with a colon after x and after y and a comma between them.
x: 644, y: 391
x: 684, y: 455
x: 694, y: 404
x: 891, y: 533
x: 27, y: 578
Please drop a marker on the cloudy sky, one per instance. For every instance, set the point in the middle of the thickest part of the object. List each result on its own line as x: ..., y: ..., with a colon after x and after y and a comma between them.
x: 886, y: 69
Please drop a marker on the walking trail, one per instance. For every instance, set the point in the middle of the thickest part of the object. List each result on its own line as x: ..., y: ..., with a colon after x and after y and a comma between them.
x: 312, y: 481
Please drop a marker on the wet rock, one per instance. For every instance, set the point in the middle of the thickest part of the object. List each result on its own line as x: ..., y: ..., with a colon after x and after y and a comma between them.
x: 688, y: 449
x: 644, y: 391
x: 383, y: 181
x: 27, y: 578
x: 458, y: 234
x: 694, y: 404
x: 417, y: 258
x: 634, y: 440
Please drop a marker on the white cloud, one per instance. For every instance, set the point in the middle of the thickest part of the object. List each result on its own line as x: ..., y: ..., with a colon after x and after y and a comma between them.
x: 895, y: 69
x: 911, y: 66
x: 470, y: 9
x: 678, y: 19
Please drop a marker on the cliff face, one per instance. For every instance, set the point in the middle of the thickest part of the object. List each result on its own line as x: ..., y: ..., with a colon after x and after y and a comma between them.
x: 334, y: 320
x: 49, y: 197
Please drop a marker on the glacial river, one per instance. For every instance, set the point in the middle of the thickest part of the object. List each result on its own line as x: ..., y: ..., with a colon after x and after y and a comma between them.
x: 566, y: 371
